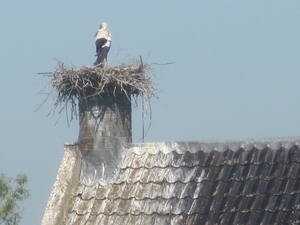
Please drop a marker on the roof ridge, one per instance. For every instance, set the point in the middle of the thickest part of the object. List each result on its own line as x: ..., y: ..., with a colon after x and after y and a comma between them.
x: 208, y: 146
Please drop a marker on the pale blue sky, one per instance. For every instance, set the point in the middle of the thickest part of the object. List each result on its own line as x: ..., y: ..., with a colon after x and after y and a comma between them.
x: 236, y: 73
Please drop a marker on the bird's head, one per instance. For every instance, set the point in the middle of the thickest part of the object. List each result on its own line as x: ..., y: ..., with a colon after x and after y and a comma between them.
x: 103, y: 25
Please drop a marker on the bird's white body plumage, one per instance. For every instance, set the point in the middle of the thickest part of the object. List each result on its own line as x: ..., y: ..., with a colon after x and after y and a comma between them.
x: 102, y: 42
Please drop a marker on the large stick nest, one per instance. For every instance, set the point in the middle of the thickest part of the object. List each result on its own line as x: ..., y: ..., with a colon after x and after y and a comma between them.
x: 71, y: 83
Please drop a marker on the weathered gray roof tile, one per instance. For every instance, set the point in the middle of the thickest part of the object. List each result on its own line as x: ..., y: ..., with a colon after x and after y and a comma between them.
x: 126, y: 160
x: 100, y: 206
x: 78, y: 219
x: 260, y: 186
x: 84, y: 206
x: 104, y: 192
x: 176, y: 159
x: 157, y: 160
x: 89, y: 192
x: 139, y: 160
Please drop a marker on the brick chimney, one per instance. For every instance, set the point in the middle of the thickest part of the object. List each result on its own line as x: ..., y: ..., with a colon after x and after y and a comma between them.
x: 104, y: 129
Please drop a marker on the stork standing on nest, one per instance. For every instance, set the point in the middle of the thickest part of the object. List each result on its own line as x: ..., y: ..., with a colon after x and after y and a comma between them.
x: 102, y: 42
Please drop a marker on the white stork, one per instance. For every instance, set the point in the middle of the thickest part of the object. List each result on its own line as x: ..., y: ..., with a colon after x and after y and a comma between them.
x: 102, y: 42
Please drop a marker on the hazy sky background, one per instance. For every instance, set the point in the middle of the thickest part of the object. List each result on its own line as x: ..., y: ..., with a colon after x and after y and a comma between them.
x: 236, y: 74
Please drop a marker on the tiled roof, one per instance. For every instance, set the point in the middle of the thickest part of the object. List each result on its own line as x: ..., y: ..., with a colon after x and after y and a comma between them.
x: 222, y: 182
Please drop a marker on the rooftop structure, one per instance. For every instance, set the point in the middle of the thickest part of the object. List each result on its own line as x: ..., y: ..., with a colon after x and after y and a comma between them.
x: 208, y: 182
x: 105, y: 179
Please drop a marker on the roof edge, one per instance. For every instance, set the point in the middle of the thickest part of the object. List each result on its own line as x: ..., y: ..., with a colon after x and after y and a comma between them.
x: 66, y: 179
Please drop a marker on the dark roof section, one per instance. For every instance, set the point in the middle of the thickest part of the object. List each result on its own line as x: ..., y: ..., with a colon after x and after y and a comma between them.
x: 222, y: 182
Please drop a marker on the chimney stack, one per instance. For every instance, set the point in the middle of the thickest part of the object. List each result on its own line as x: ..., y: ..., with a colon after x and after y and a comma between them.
x: 104, y: 98
x: 105, y: 128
